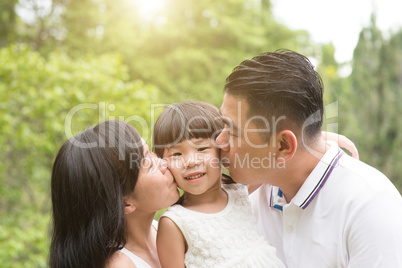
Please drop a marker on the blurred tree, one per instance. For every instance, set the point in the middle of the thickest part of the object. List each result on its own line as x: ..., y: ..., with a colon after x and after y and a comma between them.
x: 42, y: 103
x: 390, y: 109
x: 8, y: 19
x: 328, y: 69
x: 186, y: 48
x: 374, y: 107
x: 40, y: 25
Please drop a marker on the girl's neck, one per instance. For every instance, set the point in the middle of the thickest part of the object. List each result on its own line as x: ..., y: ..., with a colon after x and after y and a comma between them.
x: 212, y: 201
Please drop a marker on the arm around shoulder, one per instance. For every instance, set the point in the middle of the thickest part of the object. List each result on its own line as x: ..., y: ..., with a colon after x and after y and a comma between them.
x: 171, y: 244
x: 342, y: 141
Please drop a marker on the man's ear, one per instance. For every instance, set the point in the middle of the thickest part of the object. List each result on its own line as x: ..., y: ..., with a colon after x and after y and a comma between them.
x: 129, y: 204
x: 287, y: 144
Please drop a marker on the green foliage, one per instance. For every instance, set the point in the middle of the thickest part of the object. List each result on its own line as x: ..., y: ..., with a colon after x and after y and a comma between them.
x: 371, y: 109
x: 8, y: 19
x: 189, y: 47
x: 105, y: 57
x: 38, y: 98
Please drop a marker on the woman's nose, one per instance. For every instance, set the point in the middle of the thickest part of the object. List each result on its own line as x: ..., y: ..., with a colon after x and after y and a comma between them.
x: 162, y: 165
x: 222, y: 141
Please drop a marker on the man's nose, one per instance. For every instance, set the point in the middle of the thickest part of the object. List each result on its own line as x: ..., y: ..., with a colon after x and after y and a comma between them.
x: 222, y: 141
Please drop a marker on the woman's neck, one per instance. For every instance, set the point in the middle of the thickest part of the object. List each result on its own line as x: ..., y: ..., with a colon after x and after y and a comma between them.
x: 141, y: 237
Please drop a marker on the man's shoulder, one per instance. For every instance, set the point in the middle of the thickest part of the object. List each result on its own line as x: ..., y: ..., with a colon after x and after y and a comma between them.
x: 355, y: 180
x: 358, y: 168
x: 353, y: 174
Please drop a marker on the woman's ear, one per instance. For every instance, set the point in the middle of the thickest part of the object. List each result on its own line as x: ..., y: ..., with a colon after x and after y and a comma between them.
x: 287, y: 144
x: 129, y: 204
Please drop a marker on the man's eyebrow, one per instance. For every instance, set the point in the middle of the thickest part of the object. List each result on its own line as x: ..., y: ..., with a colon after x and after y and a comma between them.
x: 229, y: 123
x: 226, y: 121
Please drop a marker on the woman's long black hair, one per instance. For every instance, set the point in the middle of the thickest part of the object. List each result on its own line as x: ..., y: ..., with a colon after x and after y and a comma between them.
x: 91, y: 174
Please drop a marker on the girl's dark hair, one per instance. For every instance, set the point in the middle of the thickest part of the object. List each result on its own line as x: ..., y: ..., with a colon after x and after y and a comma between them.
x: 184, y: 121
x: 91, y: 174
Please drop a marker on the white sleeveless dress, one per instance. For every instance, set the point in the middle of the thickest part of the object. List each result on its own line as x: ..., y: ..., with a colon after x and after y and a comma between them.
x: 139, y: 263
x: 228, y: 238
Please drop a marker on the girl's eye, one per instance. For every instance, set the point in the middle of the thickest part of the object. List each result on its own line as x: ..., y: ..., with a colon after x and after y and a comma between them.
x: 202, y: 149
x: 176, y: 154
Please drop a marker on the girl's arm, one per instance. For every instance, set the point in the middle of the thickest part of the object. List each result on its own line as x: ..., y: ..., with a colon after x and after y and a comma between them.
x: 342, y: 141
x: 171, y: 244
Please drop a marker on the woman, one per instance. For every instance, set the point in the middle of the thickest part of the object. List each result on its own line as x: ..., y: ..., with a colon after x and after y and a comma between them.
x: 106, y: 187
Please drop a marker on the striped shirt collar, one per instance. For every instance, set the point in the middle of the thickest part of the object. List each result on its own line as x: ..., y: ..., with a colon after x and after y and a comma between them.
x: 314, y: 182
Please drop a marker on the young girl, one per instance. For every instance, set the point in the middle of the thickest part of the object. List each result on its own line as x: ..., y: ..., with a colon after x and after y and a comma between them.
x: 106, y: 187
x: 212, y: 224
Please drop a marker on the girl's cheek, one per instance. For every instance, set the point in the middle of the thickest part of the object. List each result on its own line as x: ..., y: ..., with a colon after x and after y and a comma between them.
x: 174, y: 167
x: 212, y: 161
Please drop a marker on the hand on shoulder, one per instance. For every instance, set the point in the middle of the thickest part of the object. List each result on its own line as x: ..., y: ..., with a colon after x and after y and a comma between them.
x: 342, y: 141
x: 119, y: 260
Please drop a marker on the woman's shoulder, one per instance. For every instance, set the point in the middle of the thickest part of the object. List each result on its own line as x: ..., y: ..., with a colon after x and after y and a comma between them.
x: 119, y: 259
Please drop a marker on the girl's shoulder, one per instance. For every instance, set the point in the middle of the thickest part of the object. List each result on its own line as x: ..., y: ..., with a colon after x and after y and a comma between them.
x: 174, y: 212
x: 235, y: 188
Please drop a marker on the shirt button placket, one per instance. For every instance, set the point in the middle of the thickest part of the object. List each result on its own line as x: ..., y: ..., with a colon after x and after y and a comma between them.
x: 289, y: 225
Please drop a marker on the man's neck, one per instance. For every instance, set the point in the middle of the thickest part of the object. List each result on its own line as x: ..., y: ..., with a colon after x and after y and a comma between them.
x: 301, y: 166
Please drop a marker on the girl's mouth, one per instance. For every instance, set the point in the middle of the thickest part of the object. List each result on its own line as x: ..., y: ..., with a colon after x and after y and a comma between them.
x: 194, y: 177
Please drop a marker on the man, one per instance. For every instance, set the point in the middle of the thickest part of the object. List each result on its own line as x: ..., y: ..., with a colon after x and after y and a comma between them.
x: 318, y: 206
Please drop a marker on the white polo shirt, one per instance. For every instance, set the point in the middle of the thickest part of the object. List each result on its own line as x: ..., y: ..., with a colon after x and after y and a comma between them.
x: 346, y: 214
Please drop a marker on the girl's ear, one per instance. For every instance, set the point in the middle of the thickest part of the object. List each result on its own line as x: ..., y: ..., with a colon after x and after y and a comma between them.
x: 129, y: 205
x: 287, y: 144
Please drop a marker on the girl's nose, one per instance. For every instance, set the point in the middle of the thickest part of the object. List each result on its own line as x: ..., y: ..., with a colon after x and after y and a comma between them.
x: 194, y: 160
